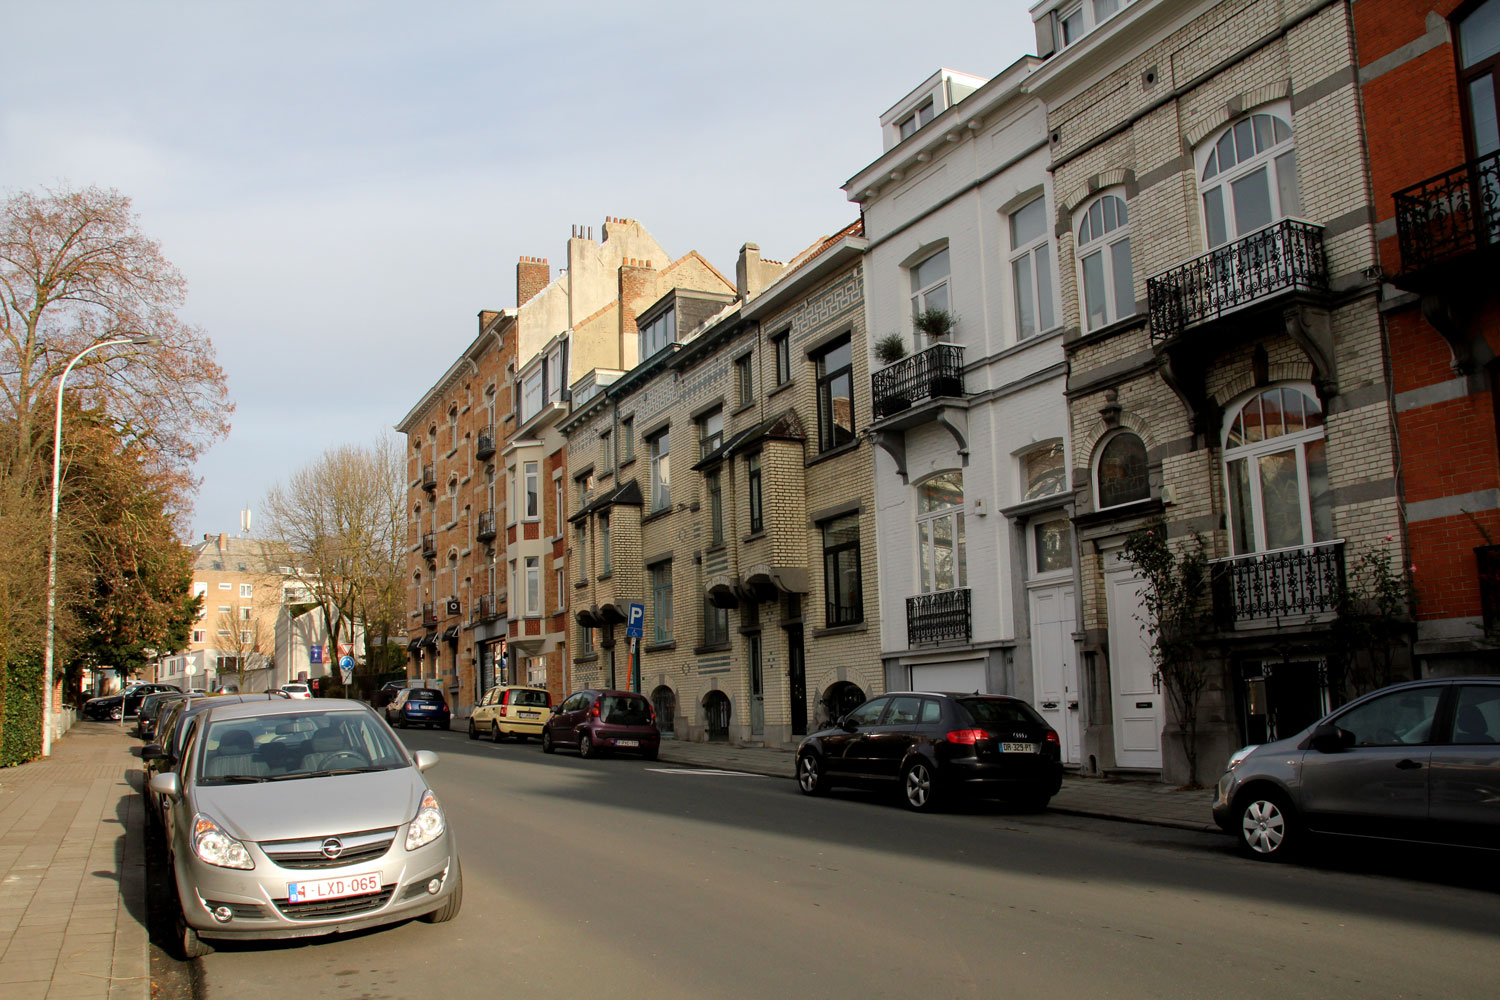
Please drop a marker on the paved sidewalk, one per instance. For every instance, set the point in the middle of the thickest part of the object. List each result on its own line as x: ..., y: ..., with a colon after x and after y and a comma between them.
x: 1111, y: 798
x: 73, y: 872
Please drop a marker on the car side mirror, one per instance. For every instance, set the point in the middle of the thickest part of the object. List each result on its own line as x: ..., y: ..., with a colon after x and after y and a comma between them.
x: 847, y: 724
x: 166, y: 785
x: 152, y: 751
x: 426, y: 759
x: 1329, y: 738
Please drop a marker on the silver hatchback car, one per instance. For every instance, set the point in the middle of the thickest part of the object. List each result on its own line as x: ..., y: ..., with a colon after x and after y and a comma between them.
x: 1418, y: 762
x: 298, y: 818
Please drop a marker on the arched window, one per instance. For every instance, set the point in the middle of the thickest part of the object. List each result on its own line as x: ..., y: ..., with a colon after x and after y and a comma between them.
x: 1120, y: 474
x: 1104, y: 262
x: 1276, y: 472
x: 940, y: 532
x: 1248, y: 177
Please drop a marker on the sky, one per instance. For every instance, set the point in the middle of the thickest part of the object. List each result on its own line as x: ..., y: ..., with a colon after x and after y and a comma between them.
x: 345, y: 185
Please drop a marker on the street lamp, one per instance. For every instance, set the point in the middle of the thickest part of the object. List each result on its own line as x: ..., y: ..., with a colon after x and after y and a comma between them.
x: 140, y: 341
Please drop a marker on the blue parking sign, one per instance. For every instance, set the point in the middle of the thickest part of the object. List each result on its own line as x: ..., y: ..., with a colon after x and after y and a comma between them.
x: 635, y: 623
x: 315, y: 654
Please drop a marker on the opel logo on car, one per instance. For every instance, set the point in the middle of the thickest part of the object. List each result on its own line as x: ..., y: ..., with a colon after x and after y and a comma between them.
x: 332, y: 848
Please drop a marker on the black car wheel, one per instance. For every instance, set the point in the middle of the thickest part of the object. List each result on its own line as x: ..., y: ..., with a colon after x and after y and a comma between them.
x: 585, y: 746
x: 188, y: 941
x: 473, y: 733
x: 496, y: 736
x: 810, y: 774
x: 402, y: 723
x: 450, y: 907
x: 918, y: 789
x: 1269, y: 830
x: 547, y: 745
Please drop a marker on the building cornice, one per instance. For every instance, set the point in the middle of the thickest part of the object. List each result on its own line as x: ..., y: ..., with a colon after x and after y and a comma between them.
x: 468, y: 362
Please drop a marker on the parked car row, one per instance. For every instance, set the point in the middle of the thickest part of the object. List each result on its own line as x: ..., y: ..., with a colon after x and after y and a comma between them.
x: 126, y: 704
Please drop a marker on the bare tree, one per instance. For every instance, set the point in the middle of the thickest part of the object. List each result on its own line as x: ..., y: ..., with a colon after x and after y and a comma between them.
x: 244, y: 636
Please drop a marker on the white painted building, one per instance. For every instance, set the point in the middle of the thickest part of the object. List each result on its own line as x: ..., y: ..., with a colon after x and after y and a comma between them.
x: 976, y: 567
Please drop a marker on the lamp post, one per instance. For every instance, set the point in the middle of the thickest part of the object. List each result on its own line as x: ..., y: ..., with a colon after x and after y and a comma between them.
x: 52, y: 547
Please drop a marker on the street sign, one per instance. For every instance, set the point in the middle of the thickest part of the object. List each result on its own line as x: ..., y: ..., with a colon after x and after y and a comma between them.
x: 634, y: 624
x: 346, y: 668
x: 314, y: 654
x: 346, y: 648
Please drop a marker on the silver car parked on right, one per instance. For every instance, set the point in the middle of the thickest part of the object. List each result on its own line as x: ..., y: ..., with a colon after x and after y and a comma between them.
x: 1417, y: 761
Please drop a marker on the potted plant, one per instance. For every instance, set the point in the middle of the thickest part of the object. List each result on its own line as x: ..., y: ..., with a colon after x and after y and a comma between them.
x: 890, y: 348
x: 937, y: 324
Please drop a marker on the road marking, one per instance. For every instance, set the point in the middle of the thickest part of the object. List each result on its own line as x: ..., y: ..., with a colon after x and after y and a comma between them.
x: 705, y: 770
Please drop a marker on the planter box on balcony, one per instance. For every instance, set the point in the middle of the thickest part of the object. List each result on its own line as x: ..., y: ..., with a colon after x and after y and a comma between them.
x: 892, y: 405
x: 936, y: 372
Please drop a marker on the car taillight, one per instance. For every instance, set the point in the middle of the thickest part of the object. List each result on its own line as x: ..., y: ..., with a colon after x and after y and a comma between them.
x: 967, y: 737
x: 502, y: 709
x: 595, y: 710
x: 1051, y: 737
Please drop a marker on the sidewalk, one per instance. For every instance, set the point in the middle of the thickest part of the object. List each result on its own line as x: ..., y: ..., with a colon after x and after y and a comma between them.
x: 1131, y: 801
x: 73, y: 872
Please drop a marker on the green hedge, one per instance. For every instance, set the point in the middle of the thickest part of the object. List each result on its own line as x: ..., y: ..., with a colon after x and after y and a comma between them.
x: 21, y: 735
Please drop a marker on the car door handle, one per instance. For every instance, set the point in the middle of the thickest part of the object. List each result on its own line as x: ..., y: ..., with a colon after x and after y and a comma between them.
x: 1408, y: 764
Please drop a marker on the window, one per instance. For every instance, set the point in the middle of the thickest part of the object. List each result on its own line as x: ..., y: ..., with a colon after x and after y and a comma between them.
x: 752, y: 477
x: 1477, y: 719
x: 533, y: 487
x: 715, y: 624
x: 533, y: 585
x: 247, y: 590
x: 1031, y: 269
x: 1079, y: 20
x: 604, y: 561
x: 557, y: 504
x: 1042, y: 471
x: 200, y: 635
x: 835, y: 395
x: 1121, y: 474
x: 715, y: 509
x: 924, y: 114
x: 661, y: 602
x: 1104, y: 262
x: 226, y: 586
x: 1276, y: 472
x: 531, y: 395
x: 781, y: 346
x: 560, y: 585
x: 556, y: 368
x: 244, y: 635
x: 661, y: 472
x: 224, y: 633
x: 1053, y: 542
x: 607, y: 451
x: 743, y: 379
x: 1249, y: 178
x: 940, y: 533
x: 658, y: 333
x: 841, y: 574
x: 581, y: 551
x: 453, y: 428
x: 710, y: 432
x: 929, y: 284
x: 1479, y: 55
x: 627, y: 440
x: 869, y: 713
x: 583, y: 485
x: 1400, y: 718
x: 586, y: 641
x: 244, y: 614
x: 224, y: 609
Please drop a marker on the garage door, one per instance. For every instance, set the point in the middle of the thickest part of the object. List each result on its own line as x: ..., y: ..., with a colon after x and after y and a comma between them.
x: 958, y: 677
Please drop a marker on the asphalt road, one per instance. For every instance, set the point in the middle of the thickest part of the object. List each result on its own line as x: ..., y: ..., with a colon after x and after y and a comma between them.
x: 622, y: 879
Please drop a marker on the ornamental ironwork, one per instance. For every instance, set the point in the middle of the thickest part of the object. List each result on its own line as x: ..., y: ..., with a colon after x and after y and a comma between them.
x: 429, y: 614
x: 485, y: 529
x: 937, y: 371
x: 1290, y: 583
x: 484, y: 443
x: 1285, y: 257
x: 429, y: 545
x: 429, y: 477
x: 1449, y: 215
x: 940, y: 617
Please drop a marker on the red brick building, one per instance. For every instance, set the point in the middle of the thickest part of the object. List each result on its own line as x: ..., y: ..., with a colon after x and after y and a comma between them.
x: 1428, y: 73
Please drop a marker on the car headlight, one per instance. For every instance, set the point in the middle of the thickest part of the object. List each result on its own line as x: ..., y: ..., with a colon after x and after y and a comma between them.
x: 216, y: 847
x: 1237, y: 756
x: 428, y: 826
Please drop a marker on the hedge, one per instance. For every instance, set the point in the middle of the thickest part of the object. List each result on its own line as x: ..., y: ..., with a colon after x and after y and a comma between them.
x: 21, y: 734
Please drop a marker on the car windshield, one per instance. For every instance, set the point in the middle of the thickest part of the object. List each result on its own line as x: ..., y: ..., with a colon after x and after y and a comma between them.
x: 422, y: 694
x: 281, y: 747
x: 622, y: 710
x: 535, y: 699
x: 1001, y: 711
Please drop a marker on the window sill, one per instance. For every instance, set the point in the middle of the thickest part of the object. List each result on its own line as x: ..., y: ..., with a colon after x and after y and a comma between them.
x: 626, y: 463
x: 662, y: 647
x: 580, y: 584
x: 835, y: 452
x: 742, y: 409
x: 656, y: 515
x: 718, y: 647
x: 451, y: 452
x: 604, y: 576
x: 754, y: 536
x: 715, y: 549
x: 819, y: 633
x: 782, y: 387
x: 587, y: 658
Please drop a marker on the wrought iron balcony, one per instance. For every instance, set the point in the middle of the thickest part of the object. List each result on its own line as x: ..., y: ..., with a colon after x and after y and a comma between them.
x: 1449, y: 215
x: 429, y: 545
x: 487, y: 607
x: 484, y: 443
x: 429, y: 477
x: 940, y: 617
x: 485, y: 530
x: 429, y: 614
x: 1271, y: 586
x: 1285, y: 257
x: 937, y: 371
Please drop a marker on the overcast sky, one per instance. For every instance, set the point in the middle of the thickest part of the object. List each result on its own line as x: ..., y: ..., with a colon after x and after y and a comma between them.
x: 346, y: 184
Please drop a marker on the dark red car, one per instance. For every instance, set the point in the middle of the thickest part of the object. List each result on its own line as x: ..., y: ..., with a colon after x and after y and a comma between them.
x: 603, y: 722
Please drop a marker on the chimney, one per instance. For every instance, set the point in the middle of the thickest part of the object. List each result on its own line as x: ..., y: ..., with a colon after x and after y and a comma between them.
x: 532, y: 275
x: 487, y: 316
x: 223, y: 543
x: 751, y: 274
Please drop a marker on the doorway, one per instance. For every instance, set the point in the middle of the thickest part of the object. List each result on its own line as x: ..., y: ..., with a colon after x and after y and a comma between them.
x: 757, y: 689
x: 1139, y: 709
x: 716, y: 708
x: 796, y: 672
x: 1054, y: 664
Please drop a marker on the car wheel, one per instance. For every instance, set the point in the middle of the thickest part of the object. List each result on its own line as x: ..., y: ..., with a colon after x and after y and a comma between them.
x: 473, y: 733
x: 547, y: 745
x: 450, y: 907
x: 810, y: 775
x: 585, y: 746
x: 188, y: 941
x: 918, y: 789
x: 1268, y: 828
x: 402, y: 723
x: 496, y: 736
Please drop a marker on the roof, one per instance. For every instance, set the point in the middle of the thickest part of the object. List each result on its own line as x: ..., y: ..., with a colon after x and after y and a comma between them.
x: 785, y: 426
x: 627, y: 495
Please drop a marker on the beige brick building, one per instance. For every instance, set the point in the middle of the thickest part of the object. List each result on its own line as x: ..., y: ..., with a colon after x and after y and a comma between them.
x: 1216, y: 259
x: 722, y: 484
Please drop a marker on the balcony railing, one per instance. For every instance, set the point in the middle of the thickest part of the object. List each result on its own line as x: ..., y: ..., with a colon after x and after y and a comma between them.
x: 1488, y: 557
x: 1288, y: 583
x: 1449, y: 215
x: 487, y: 607
x: 429, y: 545
x: 429, y: 614
x: 937, y: 371
x: 485, y: 530
x: 484, y: 443
x: 429, y: 477
x: 1285, y: 257
x: 940, y: 617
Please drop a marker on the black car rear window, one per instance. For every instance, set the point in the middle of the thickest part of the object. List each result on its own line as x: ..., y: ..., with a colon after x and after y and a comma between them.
x: 620, y: 710
x: 423, y: 694
x: 535, y: 699
x: 990, y: 711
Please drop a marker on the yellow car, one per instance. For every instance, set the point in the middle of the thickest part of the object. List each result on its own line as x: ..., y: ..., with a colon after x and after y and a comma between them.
x: 511, y: 710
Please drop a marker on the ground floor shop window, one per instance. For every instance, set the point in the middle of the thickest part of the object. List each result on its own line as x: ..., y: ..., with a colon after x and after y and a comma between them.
x: 1281, y: 698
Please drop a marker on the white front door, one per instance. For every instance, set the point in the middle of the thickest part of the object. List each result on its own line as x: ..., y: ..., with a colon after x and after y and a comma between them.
x: 1139, y: 707
x: 1054, y: 664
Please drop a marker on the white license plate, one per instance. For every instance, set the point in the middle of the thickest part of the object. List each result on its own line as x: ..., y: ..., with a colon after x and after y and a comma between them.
x: 529, y: 715
x: 332, y: 888
x: 627, y: 743
x: 1018, y: 748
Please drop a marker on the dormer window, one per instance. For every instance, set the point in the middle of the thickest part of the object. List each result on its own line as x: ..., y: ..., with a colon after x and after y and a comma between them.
x: 917, y: 119
x: 658, y: 333
x: 1077, y: 20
